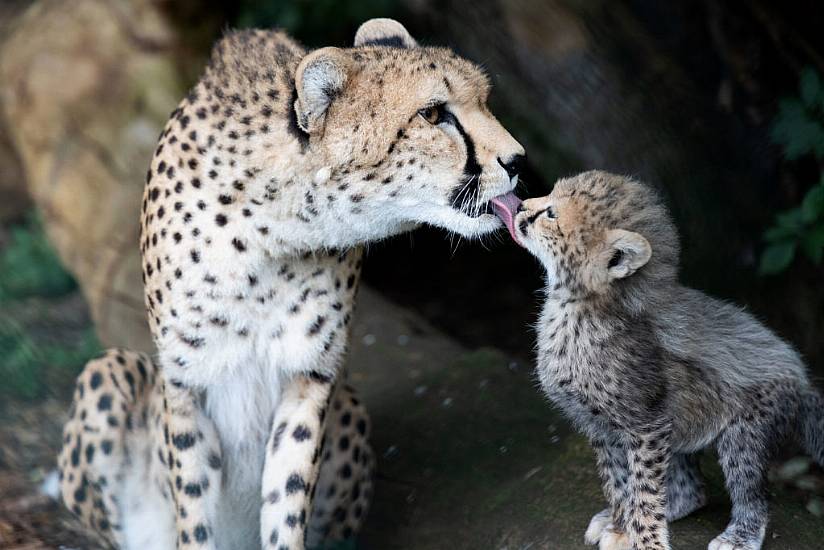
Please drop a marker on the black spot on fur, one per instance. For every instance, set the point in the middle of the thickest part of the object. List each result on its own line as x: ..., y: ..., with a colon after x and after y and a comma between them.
x: 277, y: 436
x: 105, y: 402
x: 214, y: 461
x: 295, y: 483
x: 183, y: 441
x: 301, y: 433
x: 201, y: 535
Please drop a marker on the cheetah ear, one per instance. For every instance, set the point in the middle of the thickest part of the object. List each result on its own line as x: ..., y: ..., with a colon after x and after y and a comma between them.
x: 627, y: 252
x: 321, y: 76
x: 384, y: 32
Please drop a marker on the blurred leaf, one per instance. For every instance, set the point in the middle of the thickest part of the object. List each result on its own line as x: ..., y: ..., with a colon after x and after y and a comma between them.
x: 29, y: 265
x: 813, y: 244
x: 28, y: 367
x: 811, y: 89
x: 778, y: 233
x: 777, y: 257
x: 798, y: 128
x: 787, y: 225
x: 812, y: 207
x: 790, y: 219
x: 797, y: 131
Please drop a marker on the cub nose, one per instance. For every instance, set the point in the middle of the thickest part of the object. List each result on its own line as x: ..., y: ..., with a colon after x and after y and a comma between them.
x: 513, y: 165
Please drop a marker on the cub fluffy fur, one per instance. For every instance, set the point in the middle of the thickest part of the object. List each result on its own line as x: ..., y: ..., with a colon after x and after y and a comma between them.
x: 652, y: 371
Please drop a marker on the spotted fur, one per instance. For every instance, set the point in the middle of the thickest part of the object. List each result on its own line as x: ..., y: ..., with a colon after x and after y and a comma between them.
x: 653, y: 372
x: 114, y: 465
x: 267, y: 180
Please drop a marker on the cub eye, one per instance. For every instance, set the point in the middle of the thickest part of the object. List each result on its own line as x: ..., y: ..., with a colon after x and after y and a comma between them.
x: 550, y: 213
x: 433, y: 115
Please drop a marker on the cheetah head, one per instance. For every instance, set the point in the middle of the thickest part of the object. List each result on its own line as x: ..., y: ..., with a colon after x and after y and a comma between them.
x: 595, y: 231
x: 404, y: 131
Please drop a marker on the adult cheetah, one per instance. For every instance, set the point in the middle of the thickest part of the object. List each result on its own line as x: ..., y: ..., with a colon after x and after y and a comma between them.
x: 268, y: 178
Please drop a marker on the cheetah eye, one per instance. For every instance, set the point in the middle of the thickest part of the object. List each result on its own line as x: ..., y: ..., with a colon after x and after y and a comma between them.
x: 434, y: 114
x: 550, y: 213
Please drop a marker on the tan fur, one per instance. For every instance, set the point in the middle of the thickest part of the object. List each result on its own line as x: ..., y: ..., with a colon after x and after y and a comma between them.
x: 267, y: 181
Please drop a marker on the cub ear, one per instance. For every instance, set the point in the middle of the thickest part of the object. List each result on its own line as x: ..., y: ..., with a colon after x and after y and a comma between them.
x: 384, y: 32
x: 628, y: 252
x: 321, y: 76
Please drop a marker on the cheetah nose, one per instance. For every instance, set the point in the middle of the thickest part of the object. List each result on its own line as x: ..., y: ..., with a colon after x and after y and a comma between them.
x: 514, y: 165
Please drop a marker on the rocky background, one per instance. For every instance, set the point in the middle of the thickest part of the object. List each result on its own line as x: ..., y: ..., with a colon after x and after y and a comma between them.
x: 720, y: 105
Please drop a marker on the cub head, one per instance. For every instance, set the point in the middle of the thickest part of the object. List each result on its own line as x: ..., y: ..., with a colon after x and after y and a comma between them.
x: 405, y: 133
x: 598, y: 232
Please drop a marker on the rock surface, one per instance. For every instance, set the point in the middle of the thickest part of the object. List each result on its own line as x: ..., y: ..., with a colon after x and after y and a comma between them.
x: 87, y: 87
x: 14, y: 199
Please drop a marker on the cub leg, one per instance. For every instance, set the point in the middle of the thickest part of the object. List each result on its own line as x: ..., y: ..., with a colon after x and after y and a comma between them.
x: 649, y: 457
x: 613, y: 467
x: 746, y: 477
x: 290, y: 467
x: 685, y: 486
x: 194, y: 462
x: 344, y: 487
x: 744, y: 451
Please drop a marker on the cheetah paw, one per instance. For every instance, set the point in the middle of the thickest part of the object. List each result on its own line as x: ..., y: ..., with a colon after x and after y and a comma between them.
x: 614, y: 540
x: 597, y: 524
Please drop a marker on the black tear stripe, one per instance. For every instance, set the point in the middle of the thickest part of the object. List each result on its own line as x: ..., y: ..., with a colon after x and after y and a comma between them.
x: 293, y: 126
x: 471, y: 169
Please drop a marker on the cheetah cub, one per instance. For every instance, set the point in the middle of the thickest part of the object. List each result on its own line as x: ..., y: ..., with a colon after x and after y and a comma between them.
x: 651, y: 371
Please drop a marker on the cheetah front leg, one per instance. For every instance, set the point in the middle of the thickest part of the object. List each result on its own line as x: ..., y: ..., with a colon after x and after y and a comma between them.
x: 344, y: 489
x: 290, y: 468
x: 608, y: 525
x: 685, y: 489
x: 649, y: 456
x: 194, y: 461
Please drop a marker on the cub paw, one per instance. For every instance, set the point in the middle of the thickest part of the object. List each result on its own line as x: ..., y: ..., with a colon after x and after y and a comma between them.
x: 597, y: 524
x: 614, y: 540
x: 726, y: 542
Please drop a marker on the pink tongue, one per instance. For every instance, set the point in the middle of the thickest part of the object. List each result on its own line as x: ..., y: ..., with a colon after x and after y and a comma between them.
x: 505, y: 207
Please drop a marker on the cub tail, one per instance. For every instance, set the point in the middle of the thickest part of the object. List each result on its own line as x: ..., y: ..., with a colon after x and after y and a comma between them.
x: 811, y: 421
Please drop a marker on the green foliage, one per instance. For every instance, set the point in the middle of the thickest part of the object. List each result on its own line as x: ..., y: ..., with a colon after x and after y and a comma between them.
x: 799, y: 129
x: 316, y: 22
x: 29, y: 368
x: 29, y: 266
